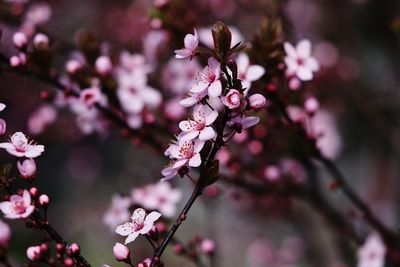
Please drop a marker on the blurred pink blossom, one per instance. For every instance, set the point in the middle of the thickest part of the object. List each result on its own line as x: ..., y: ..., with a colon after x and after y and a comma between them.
x: 18, y: 206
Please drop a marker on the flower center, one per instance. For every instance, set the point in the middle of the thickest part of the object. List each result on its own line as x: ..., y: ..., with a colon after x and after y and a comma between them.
x: 19, y: 207
x: 186, y: 150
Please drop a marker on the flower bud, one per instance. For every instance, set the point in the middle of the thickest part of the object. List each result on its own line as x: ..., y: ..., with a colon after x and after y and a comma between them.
x: 41, y: 41
x: 68, y: 262
x: 232, y: 99
x: 27, y: 169
x: 257, y: 101
x: 74, y: 248
x: 103, y: 65
x: 33, y: 191
x: 3, y: 126
x: 222, y: 37
x: 208, y: 246
x: 15, y: 61
x: 121, y: 252
x: 20, y: 40
x: 311, y: 105
x: 33, y: 253
x: 72, y: 66
x: 44, y: 200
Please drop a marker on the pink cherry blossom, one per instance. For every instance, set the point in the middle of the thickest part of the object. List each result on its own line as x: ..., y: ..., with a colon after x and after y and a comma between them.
x: 20, y: 39
x: 92, y: 96
x: 191, y: 42
x: 193, y: 98
x: 121, y: 252
x: 160, y: 196
x: 33, y: 253
x: 372, y: 253
x: 187, y: 151
x: 103, y: 65
x: 118, y: 212
x: 27, y: 169
x: 232, y: 99
x: 208, y: 79
x: 246, y: 72
x: 299, y: 60
x: 18, y: 206
x: 199, y: 126
x: 5, y: 234
x: 141, y: 224
x: 257, y: 101
x: 19, y: 146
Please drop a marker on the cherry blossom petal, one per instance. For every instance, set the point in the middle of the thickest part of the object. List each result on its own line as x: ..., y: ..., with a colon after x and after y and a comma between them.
x: 242, y: 62
x: 215, y: 66
x: 249, y: 122
x: 190, y: 136
x: 199, y: 87
x: 190, y: 41
x: 125, y: 229
x: 304, y: 48
x: 215, y: 89
x: 304, y: 73
x: 207, y: 133
x: 28, y: 211
x: 290, y: 50
x: 26, y: 197
x: 254, y: 73
x: 131, y: 237
x: 185, y: 126
x: 179, y: 163
x: 152, y: 217
x: 211, y: 117
x: 182, y: 53
x: 5, y: 207
x: 187, y: 102
x: 291, y: 64
x: 138, y: 215
x: 312, y: 64
x: 195, y: 161
x: 34, y: 151
x: 2, y: 106
x: 198, y: 145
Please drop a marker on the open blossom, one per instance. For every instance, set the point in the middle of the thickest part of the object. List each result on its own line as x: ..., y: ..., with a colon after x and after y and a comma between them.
x: 118, y: 212
x: 92, y: 96
x: 160, y: 196
x: 187, y: 151
x: 372, y: 253
x: 248, y: 73
x: 191, y: 42
x: 199, y: 126
x: 141, y: 224
x: 3, y: 124
x: 232, y: 99
x: 208, y: 79
x: 18, y: 206
x: 19, y: 146
x: 299, y: 61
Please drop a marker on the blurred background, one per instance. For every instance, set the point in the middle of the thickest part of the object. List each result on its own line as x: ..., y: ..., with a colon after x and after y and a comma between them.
x: 356, y: 42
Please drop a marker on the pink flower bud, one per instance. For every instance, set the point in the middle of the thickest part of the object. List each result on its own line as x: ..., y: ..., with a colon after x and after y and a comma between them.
x: 121, y: 252
x: 20, y: 40
x: 272, y: 173
x: 294, y: 83
x: 40, y: 40
x: 33, y: 191
x: 74, y: 248
x: 257, y: 101
x: 232, y: 99
x: 73, y: 65
x: 311, y: 105
x: 207, y: 246
x: 5, y: 234
x: 33, y: 253
x: 69, y: 262
x: 27, y: 169
x: 44, y: 201
x: 15, y: 61
x: 3, y: 126
x: 103, y: 65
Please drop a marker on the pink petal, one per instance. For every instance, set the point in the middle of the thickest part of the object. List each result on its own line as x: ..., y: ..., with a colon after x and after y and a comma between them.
x: 28, y: 211
x: 254, y: 73
x: 198, y: 145
x: 199, y: 87
x: 215, y: 89
x: 152, y: 217
x: 179, y: 163
x: 249, y: 122
x: 34, y: 151
x: 131, y: 237
x: 215, y: 66
x: 124, y: 229
x: 5, y: 207
x: 190, y: 136
x: 185, y: 126
x: 289, y: 49
x: 190, y: 42
x: 27, y: 198
x: 195, y: 161
x: 2, y: 106
x: 183, y: 53
x: 304, y: 48
x: 312, y: 64
x: 211, y: 117
x: 242, y: 63
x: 304, y: 73
x: 207, y: 133
x: 187, y: 102
x: 291, y: 64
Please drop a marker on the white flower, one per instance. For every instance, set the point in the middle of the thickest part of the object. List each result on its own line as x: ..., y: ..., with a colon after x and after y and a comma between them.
x: 19, y: 146
x: 299, y: 61
x: 18, y: 206
x: 187, y: 152
x: 141, y: 224
x: 191, y: 42
x: 199, y: 126
x: 372, y: 253
x: 208, y: 79
x: 246, y: 72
